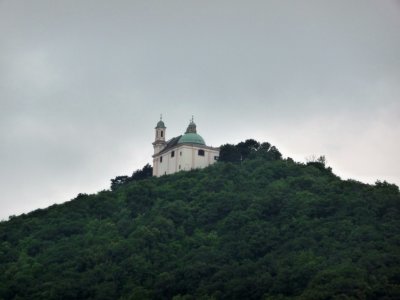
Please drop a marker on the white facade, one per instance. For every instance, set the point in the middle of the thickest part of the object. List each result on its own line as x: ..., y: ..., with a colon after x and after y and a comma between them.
x: 181, y: 153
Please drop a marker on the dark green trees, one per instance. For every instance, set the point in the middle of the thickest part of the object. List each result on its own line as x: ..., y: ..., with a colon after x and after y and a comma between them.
x: 265, y: 228
x: 145, y: 172
x: 249, y: 149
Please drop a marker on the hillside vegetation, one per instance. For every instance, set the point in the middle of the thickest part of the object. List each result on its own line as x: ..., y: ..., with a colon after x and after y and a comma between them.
x: 252, y: 226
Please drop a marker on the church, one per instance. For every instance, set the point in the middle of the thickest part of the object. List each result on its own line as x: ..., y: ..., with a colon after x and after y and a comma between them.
x: 184, y: 152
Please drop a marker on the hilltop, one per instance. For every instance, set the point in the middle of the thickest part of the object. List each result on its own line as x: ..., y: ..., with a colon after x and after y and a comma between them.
x: 252, y: 226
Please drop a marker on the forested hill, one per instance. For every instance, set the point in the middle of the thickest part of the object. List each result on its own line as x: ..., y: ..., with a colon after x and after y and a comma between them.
x: 252, y: 226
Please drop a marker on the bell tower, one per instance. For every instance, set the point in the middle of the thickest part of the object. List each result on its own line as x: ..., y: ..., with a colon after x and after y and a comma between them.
x: 159, y: 142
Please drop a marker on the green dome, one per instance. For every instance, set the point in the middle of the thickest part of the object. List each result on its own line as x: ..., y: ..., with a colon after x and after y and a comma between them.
x: 191, y: 138
x: 160, y: 124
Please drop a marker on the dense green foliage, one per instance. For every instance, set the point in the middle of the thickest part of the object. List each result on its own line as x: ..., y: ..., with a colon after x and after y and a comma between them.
x: 249, y: 149
x: 260, y: 229
x: 145, y: 172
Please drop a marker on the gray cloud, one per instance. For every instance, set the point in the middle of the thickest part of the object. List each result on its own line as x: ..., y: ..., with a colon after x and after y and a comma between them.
x: 82, y: 85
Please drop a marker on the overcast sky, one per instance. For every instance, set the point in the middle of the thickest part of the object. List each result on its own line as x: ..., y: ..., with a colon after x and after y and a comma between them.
x: 82, y: 85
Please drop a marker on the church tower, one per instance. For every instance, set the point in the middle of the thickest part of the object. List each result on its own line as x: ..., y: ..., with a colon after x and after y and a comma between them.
x: 159, y: 142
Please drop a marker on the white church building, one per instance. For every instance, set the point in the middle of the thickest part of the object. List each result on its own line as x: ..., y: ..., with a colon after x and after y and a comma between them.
x: 184, y: 152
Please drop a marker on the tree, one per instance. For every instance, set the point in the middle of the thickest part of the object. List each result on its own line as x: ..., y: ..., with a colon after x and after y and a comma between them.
x: 263, y: 229
x: 274, y: 153
x: 229, y: 153
x: 247, y: 148
x: 118, y: 181
x: 145, y: 172
x: 318, y: 162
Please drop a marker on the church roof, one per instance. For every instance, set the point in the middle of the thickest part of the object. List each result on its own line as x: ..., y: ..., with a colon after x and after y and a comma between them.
x: 191, y: 138
x: 170, y: 144
x: 160, y: 124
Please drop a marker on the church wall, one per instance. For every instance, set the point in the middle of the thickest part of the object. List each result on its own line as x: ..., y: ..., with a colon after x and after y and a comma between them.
x: 186, y: 157
x: 166, y: 166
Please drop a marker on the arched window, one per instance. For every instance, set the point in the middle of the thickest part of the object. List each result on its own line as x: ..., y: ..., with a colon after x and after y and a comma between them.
x: 162, y: 133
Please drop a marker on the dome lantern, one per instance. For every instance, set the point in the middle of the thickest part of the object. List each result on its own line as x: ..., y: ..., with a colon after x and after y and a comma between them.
x: 192, y: 127
x: 191, y: 136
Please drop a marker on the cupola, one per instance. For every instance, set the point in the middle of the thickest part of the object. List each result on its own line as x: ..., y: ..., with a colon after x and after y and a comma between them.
x: 191, y: 136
